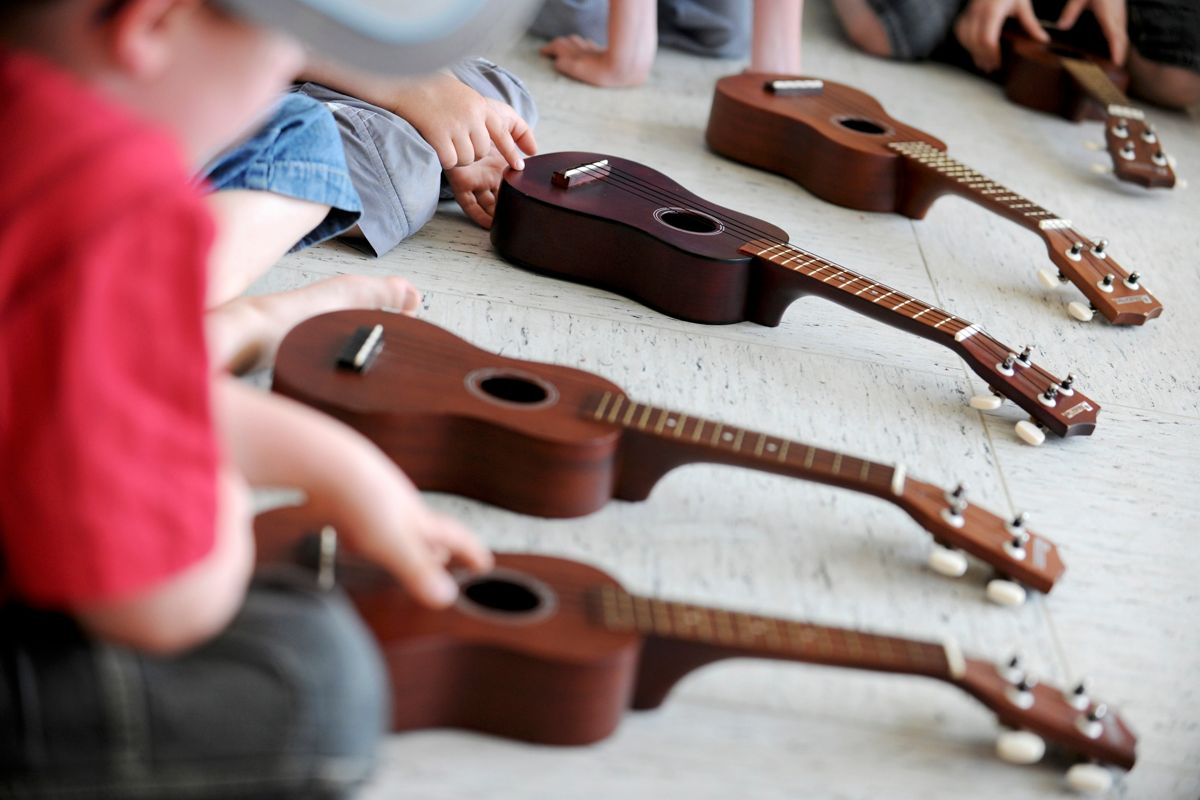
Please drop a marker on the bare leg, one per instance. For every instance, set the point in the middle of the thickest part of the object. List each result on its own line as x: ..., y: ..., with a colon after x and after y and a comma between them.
x: 775, y: 44
x: 254, y: 230
x: 1165, y: 85
x: 245, y: 332
x: 862, y: 27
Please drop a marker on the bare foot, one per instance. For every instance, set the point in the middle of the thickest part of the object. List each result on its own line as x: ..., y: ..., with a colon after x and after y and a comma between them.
x: 245, y: 333
x: 586, y: 61
x: 475, y: 186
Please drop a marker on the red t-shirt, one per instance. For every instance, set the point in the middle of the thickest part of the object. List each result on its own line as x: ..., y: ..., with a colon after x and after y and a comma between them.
x: 107, y: 453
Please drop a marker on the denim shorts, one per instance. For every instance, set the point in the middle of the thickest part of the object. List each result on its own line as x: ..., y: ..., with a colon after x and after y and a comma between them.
x: 298, y: 153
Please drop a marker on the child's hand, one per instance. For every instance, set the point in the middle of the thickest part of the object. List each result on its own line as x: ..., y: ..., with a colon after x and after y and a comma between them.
x: 475, y: 187
x: 350, y: 484
x: 978, y: 28
x: 1111, y: 15
x: 462, y: 125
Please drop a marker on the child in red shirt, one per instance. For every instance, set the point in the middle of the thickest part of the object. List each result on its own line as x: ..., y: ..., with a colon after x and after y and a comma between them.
x: 136, y: 656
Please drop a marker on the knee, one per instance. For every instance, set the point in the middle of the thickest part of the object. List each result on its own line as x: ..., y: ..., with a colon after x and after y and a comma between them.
x: 1166, y: 85
x: 340, y: 686
x: 863, y: 28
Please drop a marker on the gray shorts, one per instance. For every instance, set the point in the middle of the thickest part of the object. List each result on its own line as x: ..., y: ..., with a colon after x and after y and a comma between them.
x: 716, y: 28
x: 396, y: 172
x: 1165, y: 31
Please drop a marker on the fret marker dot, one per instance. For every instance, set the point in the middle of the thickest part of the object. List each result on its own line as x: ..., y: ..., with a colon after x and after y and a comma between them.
x: 727, y: 436
x: 671, y: 423
x: 771, y: 448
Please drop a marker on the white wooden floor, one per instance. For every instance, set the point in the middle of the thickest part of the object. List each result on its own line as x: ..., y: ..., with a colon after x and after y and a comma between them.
x: 1122, y: 505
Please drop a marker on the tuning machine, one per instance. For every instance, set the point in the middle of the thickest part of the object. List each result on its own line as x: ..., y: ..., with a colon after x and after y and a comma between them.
x: 947, y: 561
x: 1051, y: 279
x: 1090, y: 778
x: 1084, y: 312
x: 1030, y: 432
x: 1020, y: 747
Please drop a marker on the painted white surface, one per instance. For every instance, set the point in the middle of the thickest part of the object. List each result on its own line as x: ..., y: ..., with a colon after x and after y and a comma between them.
x: 1122, y: 505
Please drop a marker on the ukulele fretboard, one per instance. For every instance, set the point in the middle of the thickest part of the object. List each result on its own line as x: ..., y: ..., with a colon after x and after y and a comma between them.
x: 854, y: 285
x: 749, y: 447
x: 978, y: 186
x: 618, y: 610
x: 1096, y: 83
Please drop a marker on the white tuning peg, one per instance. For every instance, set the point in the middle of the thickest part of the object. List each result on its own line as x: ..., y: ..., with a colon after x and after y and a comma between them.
x: 1049, y: 278
x: 944, y: 561
x: 986, y: 402
x: 1005, y: 593
x: 1030, y: 433
x: 1080, y: 311
x: 1020, y: 747
x: 1090, y: 778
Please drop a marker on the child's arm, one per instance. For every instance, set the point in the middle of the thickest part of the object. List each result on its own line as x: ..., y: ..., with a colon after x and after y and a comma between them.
x: 350, y: 484
x: 775, y: 46
x: 459, y: 123
x: 632, y: 43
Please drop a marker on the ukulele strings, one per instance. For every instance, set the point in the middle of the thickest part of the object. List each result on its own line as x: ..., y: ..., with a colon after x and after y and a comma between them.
x: 430, y: 356
x: 581, y: 596
x: 438, y: 355
x: 644, y: 190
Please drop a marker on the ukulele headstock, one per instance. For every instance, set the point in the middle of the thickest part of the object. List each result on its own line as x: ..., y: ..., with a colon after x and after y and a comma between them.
x: 1040, y: 713
x: 1117, y: 294
x: 1137, y: 152
x: 1019, y: 555
x: 1053, y: 403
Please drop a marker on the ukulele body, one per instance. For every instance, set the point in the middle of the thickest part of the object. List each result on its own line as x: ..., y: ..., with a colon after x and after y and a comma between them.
x: 635, y: 232
x: 833, y: 142
x: 459, y: 419
x: 517, y: 655
x: 1034, y: 77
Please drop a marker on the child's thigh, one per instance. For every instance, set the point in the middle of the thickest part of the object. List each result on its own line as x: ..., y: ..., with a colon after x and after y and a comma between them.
x: 289, y: 701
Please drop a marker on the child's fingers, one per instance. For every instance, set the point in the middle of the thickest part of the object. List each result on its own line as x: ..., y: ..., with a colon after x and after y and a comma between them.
x: 474, y: 211
x: 447, y: 153
x: 1029, y: 21
x: 1070, y: 13
x: 481, y: 139
x: 464, y: 149
x: 464, y: 547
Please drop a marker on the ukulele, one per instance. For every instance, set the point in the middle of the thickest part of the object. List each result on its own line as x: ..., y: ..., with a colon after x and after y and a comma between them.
x: 552, y: 441
x: 553, y: 651
x: 840, y: 144
x: 622, y: 226
x: 1060, y: 78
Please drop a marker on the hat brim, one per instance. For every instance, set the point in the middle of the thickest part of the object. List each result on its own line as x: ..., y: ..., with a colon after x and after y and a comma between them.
x: 402, y: 38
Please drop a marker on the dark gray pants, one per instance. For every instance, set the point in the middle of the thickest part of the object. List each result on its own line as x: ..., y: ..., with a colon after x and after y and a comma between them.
x: 288, y: 702
x: 714, y: 28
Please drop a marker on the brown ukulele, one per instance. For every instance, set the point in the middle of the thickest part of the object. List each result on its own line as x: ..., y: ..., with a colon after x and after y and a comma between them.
x: 840, y: 144
x: 617, y: 224
x: 553, y: 441
x: 553, y: 651
x: 1062, y: 79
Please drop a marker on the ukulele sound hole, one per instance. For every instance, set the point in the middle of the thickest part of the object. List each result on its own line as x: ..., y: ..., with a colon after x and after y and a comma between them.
x: 689, y: 221
x: 508, y: 595
x: 862, y: 125
x: 512, y: 388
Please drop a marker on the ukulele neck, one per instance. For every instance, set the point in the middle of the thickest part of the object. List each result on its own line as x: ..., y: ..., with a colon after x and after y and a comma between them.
x: 712, y: 634
x: 864, y: 295
x: 659, y: 440
x: 933, y: 172
x: 1093, y: 81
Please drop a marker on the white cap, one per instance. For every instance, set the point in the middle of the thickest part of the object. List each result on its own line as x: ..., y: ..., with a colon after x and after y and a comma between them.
x: 393, y: 36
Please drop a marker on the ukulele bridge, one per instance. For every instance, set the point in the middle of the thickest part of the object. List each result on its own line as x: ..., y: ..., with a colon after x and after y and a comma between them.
x: 361, y: 349
x: 584, y: 173
x: 795, y: 86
